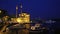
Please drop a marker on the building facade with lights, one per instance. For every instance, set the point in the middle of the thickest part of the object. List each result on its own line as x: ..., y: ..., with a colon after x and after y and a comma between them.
x: 24, y: 18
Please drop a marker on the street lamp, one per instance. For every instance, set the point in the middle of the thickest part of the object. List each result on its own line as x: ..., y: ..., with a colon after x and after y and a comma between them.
x: 0, y: 11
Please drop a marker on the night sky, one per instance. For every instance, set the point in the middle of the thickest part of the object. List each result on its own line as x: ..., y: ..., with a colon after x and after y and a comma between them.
x: 37, y: 8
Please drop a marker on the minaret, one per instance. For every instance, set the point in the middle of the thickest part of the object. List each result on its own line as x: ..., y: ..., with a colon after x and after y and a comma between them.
x: 21, y: 7
x: 16, y: 11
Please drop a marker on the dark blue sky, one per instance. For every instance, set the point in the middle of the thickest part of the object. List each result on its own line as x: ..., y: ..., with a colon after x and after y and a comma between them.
x: 37, y: 8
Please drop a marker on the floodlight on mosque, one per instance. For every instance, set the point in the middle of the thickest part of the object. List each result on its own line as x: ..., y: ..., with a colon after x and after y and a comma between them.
x: 19, y: 20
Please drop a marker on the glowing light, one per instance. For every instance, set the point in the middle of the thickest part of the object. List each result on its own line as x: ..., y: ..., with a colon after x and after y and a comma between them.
x: 22, y: 15
x: 27, y: 15
x: 37, y: 25
x: 16, y: 7
x: 33, y: 27
x: 24, y: 19
x: 19, y: 20
x: 0, y: 11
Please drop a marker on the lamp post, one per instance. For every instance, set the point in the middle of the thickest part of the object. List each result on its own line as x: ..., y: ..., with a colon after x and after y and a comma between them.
x: 0, y: 11
x: 21, y: 7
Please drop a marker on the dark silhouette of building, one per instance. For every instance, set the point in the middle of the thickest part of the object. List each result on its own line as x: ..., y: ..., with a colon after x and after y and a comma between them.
x: 3, y: 13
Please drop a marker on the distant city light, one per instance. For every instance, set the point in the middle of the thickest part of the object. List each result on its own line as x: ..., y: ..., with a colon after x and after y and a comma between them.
x: 32, y: 27
x: 50, y: 21
x: 37, y: 25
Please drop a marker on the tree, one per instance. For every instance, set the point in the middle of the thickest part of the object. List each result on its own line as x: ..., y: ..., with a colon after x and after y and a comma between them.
x: 3, y: 13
